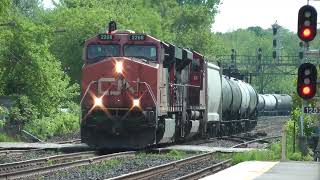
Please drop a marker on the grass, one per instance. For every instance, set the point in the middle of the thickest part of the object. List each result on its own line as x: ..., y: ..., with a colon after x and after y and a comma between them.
x: 111, y: 163
x: 177, y: 154
x: 172, y: 153
x: 256, y: 155
x: 6, y: 138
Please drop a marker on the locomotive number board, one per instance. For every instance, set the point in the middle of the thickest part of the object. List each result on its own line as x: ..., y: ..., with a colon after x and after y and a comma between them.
x: 137, y: 37
x: 105, y: 37
x: 311, y: 110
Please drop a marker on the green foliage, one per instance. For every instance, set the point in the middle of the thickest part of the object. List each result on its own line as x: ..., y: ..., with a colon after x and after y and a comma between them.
x: 177, y: 153
x: 295, y: 156
x: 3, y: 114
x: 246, y: 43
x: 111, y: 163
x: 5, y: 138
x: 262, y: 155
x: 56, y: 124
x: 23, y: 111
x: 310, y: 121
x: 274, y: 151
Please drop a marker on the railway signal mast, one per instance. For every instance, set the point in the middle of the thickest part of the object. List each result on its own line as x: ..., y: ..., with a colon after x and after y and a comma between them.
x: 307, y: 72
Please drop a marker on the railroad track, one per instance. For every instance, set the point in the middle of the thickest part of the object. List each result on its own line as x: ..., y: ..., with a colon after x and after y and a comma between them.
x: 73, y: 141
x: 158, y: 171
x: 31, y: 167
x: 255, y: 140
x: 15, y: 152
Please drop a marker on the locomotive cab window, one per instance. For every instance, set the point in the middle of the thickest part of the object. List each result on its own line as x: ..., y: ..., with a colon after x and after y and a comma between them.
x: 195, y: 66
x: 147, y: 52
x: 96, y: 52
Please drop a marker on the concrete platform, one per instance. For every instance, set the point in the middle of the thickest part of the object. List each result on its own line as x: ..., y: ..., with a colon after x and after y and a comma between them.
x: 258, y: 170
x: 48, y: 146
x: 197, y: 148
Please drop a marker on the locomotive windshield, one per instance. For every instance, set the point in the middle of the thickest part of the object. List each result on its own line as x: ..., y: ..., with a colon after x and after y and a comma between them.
x: 148, y: 52
x: 96, y: 52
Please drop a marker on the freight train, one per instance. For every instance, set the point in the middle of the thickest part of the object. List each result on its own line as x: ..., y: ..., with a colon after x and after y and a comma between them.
x: 139, y: 91
x: 274, y: 104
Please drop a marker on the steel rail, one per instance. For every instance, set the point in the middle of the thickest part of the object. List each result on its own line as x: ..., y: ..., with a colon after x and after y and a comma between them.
x: 255, y: 140
x: 56, y: 167
x: 16, y: 151
x: 207, y: 171
x: 73, y: 141
x: 152, y: 172
x: 16, y: 166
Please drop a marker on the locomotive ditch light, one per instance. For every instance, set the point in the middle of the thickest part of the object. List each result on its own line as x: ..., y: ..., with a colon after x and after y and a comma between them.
x: 119, y: 67
x: 98, y: 102
x: 136, y: 102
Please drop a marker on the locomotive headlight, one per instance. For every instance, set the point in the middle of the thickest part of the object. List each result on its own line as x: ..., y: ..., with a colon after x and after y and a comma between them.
x: 136, y: 102
x: 98, y: 102
x: 119, y: 67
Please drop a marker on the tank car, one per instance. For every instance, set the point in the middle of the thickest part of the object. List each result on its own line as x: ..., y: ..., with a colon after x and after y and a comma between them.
x: 274, y: 104
x: 284, y: 104
x: 239, y: 101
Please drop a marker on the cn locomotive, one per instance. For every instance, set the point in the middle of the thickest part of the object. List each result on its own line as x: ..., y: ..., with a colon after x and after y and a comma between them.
x: 139, y: 91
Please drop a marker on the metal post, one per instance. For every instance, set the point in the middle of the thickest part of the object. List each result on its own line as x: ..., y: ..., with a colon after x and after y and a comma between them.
x: 294, y: 136
x: 302, y: 138
x: 283, y: 144
x: 304, y: 103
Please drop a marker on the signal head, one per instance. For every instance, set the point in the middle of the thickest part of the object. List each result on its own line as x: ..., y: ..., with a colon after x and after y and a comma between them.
x: 307, y: 81
x: 307, y: 23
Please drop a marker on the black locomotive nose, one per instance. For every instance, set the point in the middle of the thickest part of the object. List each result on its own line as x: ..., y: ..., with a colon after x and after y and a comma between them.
x: 117, y: 127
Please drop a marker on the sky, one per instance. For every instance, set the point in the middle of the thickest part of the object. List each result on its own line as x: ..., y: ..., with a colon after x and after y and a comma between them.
x: 235, y: 14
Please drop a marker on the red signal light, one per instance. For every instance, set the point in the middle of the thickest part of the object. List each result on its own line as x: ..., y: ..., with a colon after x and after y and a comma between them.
x: 306, y: 33
x: 306, y: 90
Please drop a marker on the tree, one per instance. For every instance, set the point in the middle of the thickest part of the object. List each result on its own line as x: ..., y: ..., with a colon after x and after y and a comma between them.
x: 33, y: 71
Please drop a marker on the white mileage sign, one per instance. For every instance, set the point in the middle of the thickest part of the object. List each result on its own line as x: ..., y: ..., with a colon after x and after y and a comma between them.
x: 311, y: 110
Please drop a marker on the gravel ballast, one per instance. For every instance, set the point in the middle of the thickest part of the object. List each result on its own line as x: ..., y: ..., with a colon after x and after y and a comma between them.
x: 32, y: 154
x: 112, y: 168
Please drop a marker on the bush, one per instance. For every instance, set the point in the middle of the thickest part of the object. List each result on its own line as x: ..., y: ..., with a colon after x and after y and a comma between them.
x: 256, y: 155
x: 5, y: 138
x: 295, y: 156
x: 58, y: 124
x: 23, y: 111
x: 177, y: 153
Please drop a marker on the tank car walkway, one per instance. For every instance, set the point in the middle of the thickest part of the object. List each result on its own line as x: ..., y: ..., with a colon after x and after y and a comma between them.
x: 258, y: 170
